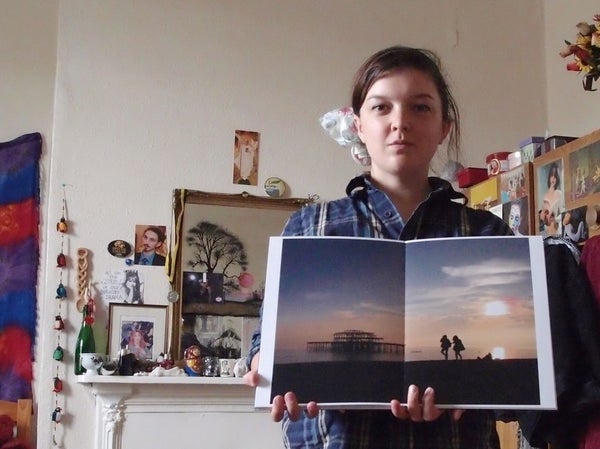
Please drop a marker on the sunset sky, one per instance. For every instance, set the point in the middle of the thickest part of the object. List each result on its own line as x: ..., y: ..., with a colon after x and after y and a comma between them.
x: 477, y: 288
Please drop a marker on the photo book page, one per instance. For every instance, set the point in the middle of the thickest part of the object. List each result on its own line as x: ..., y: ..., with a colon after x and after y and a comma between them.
x: 351, y: 322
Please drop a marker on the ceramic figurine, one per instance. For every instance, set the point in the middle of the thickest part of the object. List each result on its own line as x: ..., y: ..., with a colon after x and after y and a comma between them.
x: 193, y: 360
x: 240, y: 368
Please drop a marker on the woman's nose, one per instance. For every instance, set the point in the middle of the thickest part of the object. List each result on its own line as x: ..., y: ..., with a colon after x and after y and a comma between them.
x: 400, y: 120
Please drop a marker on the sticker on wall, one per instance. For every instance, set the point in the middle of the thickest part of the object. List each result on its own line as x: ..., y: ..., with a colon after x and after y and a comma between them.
x: 245, y: 157
x: 119, y: 248
x: 274, y: 187
x: 150, y: 245
x: 122, y: 286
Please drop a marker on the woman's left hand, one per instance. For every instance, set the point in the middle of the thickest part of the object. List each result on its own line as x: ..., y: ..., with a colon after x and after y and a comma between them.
x: 417, y: 410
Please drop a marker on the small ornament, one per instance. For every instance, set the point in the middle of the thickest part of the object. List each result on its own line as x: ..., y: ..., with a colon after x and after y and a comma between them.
x: 193, y: 361
x: 173, y: 296
x: 274, y: 187
x: 58, y: 354
x: 119, y: 248
x: 57, y: 415
x: 61, y: 260
x: 61, y: 291
x: 62, y: 226
x: 58, y: 385
x: 58, y: 323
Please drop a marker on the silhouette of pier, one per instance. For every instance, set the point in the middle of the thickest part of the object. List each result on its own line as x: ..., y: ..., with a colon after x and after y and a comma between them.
x: 350, y: 341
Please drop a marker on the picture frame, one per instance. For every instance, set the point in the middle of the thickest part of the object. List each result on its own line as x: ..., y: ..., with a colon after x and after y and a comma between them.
x: 232, y: 282
x: 573, y: 213
x: 484, y: 195
x: 516, y: 197
x: 141, y: 328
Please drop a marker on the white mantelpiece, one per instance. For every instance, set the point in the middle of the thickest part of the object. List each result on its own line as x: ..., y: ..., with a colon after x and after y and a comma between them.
x: 196, y: 412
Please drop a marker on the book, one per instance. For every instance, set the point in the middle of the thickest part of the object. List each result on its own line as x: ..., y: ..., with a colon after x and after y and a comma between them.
x: 351, y: 322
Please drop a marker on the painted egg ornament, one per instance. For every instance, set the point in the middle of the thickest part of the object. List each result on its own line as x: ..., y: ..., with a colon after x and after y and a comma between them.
x: 61, y: 291
x: 62, y: 226
x: 193, y: 361
x: 57, y: 415
x: 61, y: 260
x: 58, y: 323
x: 58, y: 354
x: 58, y: 385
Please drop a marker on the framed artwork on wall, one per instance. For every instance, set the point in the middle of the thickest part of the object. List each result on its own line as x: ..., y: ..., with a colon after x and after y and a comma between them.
x: 140, y: 328
x: 567, y: 190
x: 516, y: 197
x: 219, y: 262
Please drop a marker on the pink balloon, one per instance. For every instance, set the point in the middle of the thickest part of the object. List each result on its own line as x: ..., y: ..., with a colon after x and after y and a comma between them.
x: 246, y: 280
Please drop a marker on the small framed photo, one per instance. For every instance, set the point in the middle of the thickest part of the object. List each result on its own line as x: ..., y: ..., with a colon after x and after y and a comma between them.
x: 140, y: 328
x: 516, y: 196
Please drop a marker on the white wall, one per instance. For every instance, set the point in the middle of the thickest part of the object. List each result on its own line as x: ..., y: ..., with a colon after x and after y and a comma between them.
x: 28, y: 34
x: 571, y: 110
x: 149, y: 93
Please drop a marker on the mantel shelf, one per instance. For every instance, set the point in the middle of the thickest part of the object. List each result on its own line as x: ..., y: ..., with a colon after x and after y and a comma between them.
x: 161, y: 380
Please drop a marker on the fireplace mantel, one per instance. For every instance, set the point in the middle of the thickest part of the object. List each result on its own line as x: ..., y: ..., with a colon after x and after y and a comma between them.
x: 148, y: 411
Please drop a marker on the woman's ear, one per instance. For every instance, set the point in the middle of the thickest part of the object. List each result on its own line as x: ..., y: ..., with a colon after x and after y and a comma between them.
x: 446, y: 128
x: 358, y: 126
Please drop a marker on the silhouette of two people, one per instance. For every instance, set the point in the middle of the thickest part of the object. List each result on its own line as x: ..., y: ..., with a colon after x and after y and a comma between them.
x: 456, y: 344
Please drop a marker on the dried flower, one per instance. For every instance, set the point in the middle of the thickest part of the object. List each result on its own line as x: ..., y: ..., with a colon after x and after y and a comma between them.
x: 586, y: 52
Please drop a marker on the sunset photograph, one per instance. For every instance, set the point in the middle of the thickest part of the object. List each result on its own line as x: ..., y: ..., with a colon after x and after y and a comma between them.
x: 425, y: 312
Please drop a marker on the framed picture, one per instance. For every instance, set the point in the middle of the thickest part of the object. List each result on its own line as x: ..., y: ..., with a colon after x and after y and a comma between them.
x: 141, y: 328
x: 516, y: 197
x: 484, y: 195
x: 219, y: 260
x: 567, y: 190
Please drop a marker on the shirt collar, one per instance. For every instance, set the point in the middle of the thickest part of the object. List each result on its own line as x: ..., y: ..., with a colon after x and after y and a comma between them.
x: 440, y: 188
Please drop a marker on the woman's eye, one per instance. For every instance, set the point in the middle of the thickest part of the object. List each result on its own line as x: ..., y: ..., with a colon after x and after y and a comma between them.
x: 422, y: 108
x: 379, y: 107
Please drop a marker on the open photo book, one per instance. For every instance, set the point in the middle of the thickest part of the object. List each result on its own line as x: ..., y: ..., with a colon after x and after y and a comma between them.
x: 351, y: 322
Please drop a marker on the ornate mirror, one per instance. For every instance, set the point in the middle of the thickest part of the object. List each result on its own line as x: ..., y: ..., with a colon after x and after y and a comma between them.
x: 217, y: 267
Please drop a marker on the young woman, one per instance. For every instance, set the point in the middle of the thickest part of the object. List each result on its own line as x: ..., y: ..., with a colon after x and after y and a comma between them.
x: 131, y: 289
x: 403, y: 111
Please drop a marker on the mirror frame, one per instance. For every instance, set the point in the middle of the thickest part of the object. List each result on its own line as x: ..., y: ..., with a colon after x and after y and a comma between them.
x: 183, y: 199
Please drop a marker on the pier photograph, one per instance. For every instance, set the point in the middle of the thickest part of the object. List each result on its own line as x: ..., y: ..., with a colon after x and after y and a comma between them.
x: 359, y: 320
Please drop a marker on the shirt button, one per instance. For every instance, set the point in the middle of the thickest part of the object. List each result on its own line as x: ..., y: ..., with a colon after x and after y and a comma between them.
x: 388, y: 214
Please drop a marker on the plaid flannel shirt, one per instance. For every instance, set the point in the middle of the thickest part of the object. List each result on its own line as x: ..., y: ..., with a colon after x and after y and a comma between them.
x: 368, y: 212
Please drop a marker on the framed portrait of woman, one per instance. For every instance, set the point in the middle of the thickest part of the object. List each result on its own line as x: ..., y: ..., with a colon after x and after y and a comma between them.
x: 142, y: 329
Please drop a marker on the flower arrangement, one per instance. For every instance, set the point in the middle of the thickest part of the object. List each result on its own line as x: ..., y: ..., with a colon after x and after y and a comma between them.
x: 586, y: 52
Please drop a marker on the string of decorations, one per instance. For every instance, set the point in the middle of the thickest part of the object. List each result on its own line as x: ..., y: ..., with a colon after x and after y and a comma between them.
x: 62, y: 228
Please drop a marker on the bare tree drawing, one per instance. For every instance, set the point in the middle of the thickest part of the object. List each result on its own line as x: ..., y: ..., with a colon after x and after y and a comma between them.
x: 216, y: 250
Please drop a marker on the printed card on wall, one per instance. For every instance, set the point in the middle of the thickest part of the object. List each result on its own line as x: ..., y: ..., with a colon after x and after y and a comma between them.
x: 245, y: 157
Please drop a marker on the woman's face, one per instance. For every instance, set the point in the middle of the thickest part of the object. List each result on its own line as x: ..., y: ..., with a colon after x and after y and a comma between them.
x: 401, y: 124
x: 552, y: 178
x: 514, y: 219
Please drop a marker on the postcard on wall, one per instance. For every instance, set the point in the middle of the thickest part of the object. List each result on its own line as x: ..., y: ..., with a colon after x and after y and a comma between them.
x: 352, y: 322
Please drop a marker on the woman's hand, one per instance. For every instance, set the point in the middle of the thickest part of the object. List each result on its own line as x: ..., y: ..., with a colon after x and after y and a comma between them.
x: 289, y: 403
x: 419, y: 411
x: 281, y: 404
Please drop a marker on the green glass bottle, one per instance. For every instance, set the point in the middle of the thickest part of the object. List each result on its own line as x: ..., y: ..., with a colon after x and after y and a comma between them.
x: 85, y: 340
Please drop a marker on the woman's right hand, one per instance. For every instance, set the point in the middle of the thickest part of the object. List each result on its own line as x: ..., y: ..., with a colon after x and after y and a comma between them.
x: 288, y: 403
x: 281, y: 404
